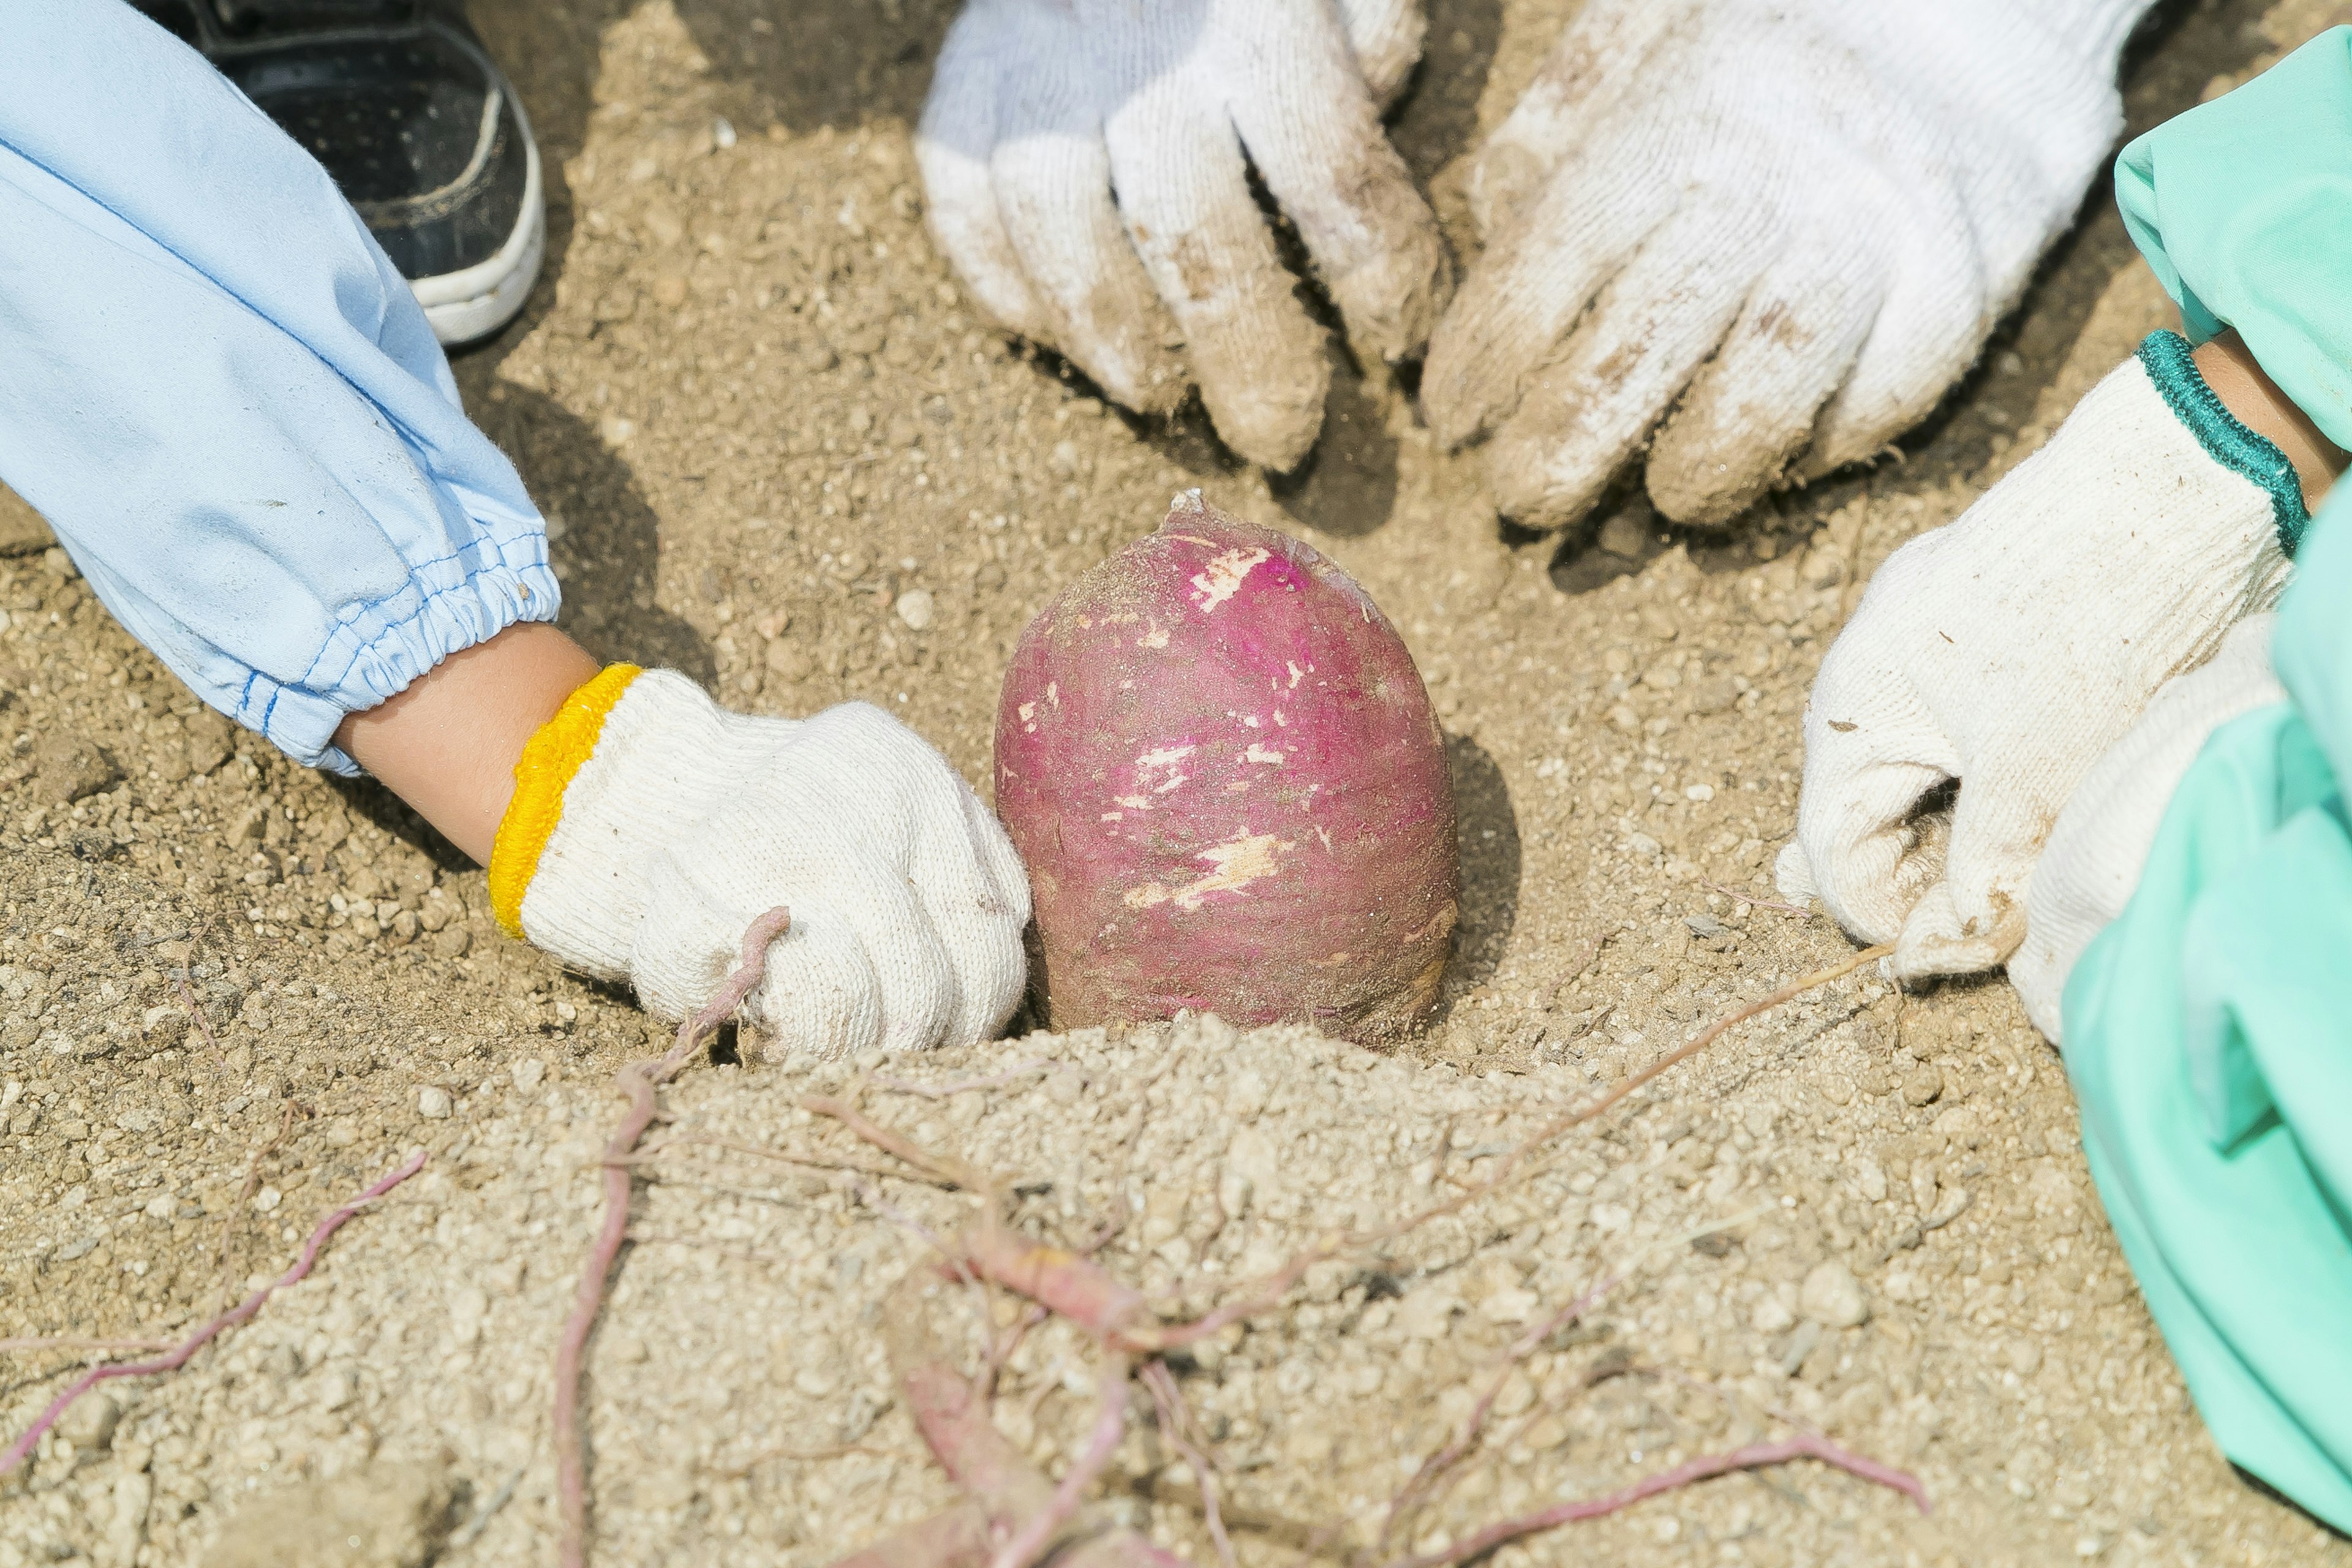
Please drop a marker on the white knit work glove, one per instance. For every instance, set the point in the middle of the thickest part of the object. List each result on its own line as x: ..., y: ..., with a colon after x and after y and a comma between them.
x: 2102, y: 840
x: 651, y: 827
x: 1770, y: 231
x: 2014, y: 647
x: 1084, y: 161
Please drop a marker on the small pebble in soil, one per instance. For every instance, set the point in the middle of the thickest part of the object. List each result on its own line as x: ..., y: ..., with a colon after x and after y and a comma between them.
x: 1832, y: 1296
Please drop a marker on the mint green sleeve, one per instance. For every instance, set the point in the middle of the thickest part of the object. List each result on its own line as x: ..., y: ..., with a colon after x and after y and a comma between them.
x: 2243, y: 206
x: 2209, y: 1030
x: 2209, y: 1039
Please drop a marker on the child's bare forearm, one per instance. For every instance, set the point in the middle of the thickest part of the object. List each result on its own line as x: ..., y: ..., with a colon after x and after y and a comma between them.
x: 448, y: 745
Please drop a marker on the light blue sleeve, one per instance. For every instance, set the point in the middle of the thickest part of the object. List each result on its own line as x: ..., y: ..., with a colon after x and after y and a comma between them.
x: 2243, y: 206
x: 224, y: 397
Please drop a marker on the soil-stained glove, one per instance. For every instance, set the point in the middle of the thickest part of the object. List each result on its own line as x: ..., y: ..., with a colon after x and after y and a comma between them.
x: 1782, y: 227
x: 2086, y: 874
x: 650, y: 826
x: 1085, y: 164
x: 2012, y: 648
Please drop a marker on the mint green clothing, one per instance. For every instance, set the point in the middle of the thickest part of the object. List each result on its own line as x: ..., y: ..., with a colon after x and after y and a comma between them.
x: 2209, y: 1030
x: 2243, y: 206
x: 2205, y: 1036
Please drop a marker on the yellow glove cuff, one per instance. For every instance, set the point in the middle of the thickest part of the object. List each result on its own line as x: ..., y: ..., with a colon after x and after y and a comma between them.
x: 549, y: 759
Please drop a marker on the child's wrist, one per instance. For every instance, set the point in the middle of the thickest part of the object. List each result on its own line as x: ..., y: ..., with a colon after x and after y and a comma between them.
x: 448, y: 743
x: 2229, y: 369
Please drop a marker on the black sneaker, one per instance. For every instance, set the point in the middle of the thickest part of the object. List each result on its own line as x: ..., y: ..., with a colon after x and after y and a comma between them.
x: 421, y: 130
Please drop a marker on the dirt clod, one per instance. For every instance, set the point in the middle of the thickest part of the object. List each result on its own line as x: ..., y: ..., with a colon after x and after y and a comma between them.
x: 384, y: 1516
x: 71, y: 769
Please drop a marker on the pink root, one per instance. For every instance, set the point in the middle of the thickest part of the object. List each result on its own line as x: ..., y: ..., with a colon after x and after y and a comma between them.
x: 1091, y: 1297
x: 954, y: 1419
x: 1752, y: 899
x: 638, y: 1081
x: 1058, y: 1282
x: 1009, y: 1510
x: 204, y: 1336
x: 1446, y: 1458
x: 1030, y: 1540
x: 1169, y: 1400
x: 1755, y: 1455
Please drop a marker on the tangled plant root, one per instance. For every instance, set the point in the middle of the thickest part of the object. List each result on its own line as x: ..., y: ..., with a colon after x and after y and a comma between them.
x: 1009, y: 1519
x: 1010, y: 1512
x: 1755, y: 1455
x: 1176, y: 1425
x: 638, y: 1081
x: 179, y: 1357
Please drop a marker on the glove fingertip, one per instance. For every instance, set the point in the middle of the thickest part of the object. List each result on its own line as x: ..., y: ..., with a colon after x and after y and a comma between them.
x: 1793, y: 873
x: 1937, y: 938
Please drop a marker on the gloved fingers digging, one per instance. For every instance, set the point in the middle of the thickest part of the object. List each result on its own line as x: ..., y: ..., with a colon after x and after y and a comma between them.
x: 1531, y: 288
x: 958, y: 864
x: 1862, y: 850
x: 1918, y: 159
x: 1385, y: 37
x: 1052, y: 175
x: 860, y: 967
x: 1315, y: 135
x: 2092, y: 863
x: 1649, y: 329
x: 1120, y: 186
x: 1973, y: 917
x: 2011, y: 648
x: 953, y: 150
x: 1750, y: 411
x: 1185, y: 192
x: 649, y: 828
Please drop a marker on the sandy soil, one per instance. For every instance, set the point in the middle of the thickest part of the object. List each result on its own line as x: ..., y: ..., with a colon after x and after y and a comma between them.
x: 778, y: 450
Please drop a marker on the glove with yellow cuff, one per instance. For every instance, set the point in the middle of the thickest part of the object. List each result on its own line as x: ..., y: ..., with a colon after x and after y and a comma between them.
x: 649, y: 826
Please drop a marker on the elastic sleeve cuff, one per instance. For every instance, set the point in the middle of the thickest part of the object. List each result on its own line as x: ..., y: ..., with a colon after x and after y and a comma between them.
x: 378, y: 649
x: 2167, y: 358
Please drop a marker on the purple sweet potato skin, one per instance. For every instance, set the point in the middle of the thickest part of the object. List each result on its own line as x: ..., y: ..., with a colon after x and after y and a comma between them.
x: 1221, y: 769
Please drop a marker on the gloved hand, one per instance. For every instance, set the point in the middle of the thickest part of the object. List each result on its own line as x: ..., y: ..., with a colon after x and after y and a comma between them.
x: 2010, y: 649
x: 1084, y: 162
x: 2102, y: 838
x: 650, y: 828
x: 1772, y: 231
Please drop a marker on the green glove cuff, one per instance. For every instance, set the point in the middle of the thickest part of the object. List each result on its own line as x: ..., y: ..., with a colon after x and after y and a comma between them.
x: 2237, y: 448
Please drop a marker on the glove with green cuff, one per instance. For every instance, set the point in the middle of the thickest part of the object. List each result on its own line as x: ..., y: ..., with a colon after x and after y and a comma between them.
x: 2010, y: 650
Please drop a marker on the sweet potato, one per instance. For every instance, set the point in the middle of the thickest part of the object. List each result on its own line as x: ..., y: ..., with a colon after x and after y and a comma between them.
x: 1220, y: 764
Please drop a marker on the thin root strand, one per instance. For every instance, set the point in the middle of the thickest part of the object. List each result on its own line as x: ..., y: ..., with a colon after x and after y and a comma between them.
x: 179, y: 1357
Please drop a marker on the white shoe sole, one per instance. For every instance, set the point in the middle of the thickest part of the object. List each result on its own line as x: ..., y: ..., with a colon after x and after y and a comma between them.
x: 470, y: 304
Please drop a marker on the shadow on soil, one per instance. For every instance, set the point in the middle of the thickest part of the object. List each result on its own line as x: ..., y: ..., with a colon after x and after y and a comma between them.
x: 1488, y: 830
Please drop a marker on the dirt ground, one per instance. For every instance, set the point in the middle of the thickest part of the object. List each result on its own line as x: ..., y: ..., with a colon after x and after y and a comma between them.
x: 778, y: 450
